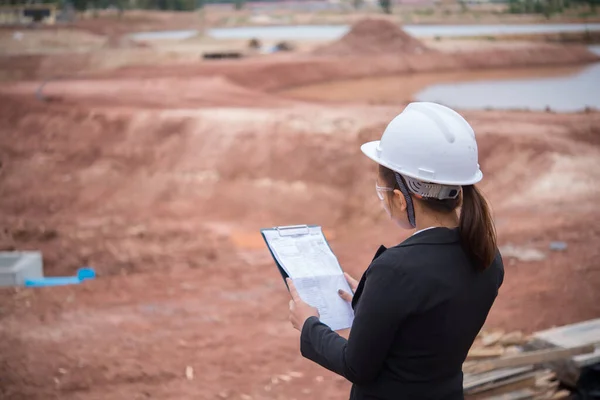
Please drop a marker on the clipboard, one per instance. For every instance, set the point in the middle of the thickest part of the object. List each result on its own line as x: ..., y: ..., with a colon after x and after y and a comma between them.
x: 288, y: 230
x: 314, y: 267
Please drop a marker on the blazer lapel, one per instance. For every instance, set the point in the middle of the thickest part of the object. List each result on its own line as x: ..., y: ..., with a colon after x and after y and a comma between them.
x: 361, y: 284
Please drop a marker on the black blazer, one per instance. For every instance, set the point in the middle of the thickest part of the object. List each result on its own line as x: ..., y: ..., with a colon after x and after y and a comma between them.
x: 418, y: 308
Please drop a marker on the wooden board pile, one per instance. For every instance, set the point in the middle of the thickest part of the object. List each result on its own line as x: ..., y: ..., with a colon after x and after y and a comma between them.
x: 512, y: 366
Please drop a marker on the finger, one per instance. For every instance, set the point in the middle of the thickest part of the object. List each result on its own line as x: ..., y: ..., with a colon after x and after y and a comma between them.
x: 293, y: 291
x: 345, y: 295
x: 292, y: 305
x: 351, y: 281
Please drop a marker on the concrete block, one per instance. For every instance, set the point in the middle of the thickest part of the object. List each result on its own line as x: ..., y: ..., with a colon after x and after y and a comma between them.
x: 15, y: 267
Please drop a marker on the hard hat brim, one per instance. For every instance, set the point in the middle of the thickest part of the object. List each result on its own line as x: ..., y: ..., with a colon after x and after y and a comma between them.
x: 369, y: 149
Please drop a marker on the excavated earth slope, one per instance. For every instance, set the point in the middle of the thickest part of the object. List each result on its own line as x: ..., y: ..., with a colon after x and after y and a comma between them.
x: 160, y: 179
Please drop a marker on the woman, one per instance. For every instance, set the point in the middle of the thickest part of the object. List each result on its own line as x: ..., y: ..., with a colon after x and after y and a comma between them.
x: 420, y: 304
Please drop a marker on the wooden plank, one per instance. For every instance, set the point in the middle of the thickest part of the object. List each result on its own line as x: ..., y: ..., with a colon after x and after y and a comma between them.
x: 545, y: 379
x: 574, y: 335
x: 492, y: 338
x: 513, y: 338
x: 518, y: 382
x: 523, y: 394
x: 479, y: 353
x: 561, y: 394
x: 522, y: 381
x: 527, y: 358
x: 471, y: 381
x: 566, y: 370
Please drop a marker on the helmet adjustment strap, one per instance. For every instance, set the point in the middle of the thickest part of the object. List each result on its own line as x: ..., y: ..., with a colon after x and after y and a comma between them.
x: 423, y: 190
x: 410, y: 210
x: 432, y: 190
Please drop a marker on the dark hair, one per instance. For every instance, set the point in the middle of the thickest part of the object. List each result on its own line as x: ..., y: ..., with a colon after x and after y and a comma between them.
x: 477, y: 230
x: 476, y: 227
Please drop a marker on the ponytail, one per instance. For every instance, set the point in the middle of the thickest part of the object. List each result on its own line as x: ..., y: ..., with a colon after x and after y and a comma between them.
x: 477, y: 231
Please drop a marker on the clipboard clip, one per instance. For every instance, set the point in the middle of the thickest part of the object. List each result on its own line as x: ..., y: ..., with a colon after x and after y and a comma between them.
x: 292, y: 230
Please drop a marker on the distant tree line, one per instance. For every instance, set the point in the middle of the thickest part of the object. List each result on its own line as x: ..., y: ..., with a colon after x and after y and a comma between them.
x: 547, y: 7
x: 82, y: 5
x: 176, y: 5
x: 21, y: 2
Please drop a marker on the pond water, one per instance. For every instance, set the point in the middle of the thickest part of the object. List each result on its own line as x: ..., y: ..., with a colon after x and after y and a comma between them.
x: 331, y: 32
x: 563, y: 89
x: 570, y: 92
x: 595, y: 49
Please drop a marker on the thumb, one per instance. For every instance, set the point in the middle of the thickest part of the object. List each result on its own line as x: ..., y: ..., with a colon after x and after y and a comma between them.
x: 345, y: 295
x: 351, y: 281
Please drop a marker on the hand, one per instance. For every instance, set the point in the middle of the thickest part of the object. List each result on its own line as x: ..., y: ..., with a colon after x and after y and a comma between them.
x: 353, y: 285
x: 345, y: 333
x: 299, y: 310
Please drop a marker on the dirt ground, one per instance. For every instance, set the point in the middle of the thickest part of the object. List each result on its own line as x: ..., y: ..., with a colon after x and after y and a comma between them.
x: 160, y: 177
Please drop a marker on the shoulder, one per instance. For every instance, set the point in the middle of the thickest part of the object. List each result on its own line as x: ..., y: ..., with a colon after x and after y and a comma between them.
x: 399, y: 260
x: 433, y: 245
x: 498, y: 263
x: 395, y: 264
x: 497, y: 268
x: 392, y: 276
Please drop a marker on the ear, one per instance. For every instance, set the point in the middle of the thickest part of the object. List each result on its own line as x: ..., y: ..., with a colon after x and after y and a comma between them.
x: 399, y: 200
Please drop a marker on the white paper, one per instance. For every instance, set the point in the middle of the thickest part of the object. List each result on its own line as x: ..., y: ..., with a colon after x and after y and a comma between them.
x: 322, y: 292
x: 304, y: 255
x: 307, y: 259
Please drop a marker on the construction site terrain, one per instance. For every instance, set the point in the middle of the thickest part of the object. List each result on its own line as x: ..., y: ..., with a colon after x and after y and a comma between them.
x: 158, y: 170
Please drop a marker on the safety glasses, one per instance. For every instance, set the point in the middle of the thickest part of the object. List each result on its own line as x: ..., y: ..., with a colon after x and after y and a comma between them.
x: 381, y: 189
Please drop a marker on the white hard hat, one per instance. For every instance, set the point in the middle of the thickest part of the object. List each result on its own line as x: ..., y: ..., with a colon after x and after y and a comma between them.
x: 428, y: 142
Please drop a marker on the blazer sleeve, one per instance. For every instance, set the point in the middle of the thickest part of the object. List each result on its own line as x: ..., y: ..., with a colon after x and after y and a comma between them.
x: 388, y: 298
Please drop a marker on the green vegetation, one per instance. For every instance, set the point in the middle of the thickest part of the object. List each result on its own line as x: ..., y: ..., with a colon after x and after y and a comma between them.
x: 357, y: 4
x: 544, y: 7
x: 548, y: 7
x: 239, y: 4
x: 175, y: 5
x: 427, y: 11
x: 386, y: 6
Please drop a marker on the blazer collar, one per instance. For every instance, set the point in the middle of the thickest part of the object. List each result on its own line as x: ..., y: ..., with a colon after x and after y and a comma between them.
x: 432, y: 236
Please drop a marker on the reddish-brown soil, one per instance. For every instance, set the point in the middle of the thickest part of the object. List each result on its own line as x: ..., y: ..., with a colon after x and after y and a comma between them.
x: 285, y: 71
x: 288, y: 71
x: 162, y: 93
x: 160, y: 179
x: 373, y: 37
x: 110, y: 23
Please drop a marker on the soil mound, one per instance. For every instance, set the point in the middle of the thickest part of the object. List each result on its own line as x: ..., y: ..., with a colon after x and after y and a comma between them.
x: 123, y: 42
x: 374, y: 37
